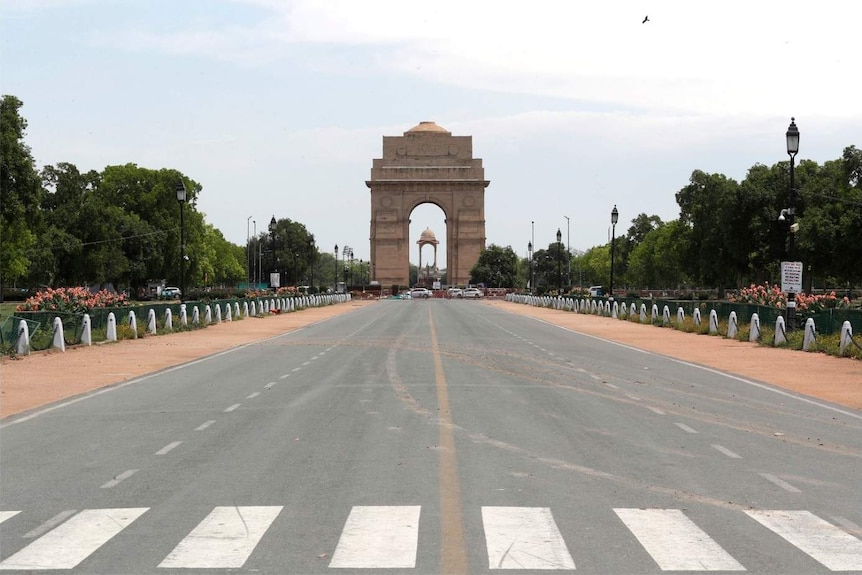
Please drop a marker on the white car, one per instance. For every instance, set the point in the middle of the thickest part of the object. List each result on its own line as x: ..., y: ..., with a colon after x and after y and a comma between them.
x: 455, y: 292
x: 171, y: 293
x: 420, y: 293
x: 472, y: 293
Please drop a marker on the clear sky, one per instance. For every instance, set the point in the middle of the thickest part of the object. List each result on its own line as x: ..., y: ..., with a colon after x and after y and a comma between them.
x: 279, y: 107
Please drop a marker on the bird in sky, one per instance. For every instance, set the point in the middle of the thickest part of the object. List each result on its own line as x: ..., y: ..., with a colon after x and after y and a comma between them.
x: 646, y: 19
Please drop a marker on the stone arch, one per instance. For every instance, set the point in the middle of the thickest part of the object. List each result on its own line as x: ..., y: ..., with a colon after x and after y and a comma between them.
x: 426, y: 165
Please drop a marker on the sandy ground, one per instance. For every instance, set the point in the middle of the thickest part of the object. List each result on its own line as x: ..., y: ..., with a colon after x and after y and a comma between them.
x: 46, y: 377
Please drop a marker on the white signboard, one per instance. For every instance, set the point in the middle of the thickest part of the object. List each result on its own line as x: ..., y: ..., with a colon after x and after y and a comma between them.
x: 791, y: 277
x: 274, y: 279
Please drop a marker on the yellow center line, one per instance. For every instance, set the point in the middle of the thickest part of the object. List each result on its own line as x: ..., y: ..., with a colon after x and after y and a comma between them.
x: 453, y: 549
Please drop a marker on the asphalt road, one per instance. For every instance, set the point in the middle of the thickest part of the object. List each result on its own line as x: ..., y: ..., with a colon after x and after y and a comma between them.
x: 433, y: 436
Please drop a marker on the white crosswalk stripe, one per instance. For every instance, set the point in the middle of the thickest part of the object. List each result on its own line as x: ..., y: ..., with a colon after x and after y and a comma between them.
x: 387, y: 537
x: 4, y: 515
x: 223, y: 540
x: 524, y: 538
x: 70, y: 543
x: 829, y: 545
x: 379, y: 538
x: 675, y: 542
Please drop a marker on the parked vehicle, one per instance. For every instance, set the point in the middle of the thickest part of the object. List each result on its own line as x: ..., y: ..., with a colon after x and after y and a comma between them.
x: 596, y: 291
x: 170, y: 293
x: 420, y: 292
x: 472, y: 293
x: 455, y: 292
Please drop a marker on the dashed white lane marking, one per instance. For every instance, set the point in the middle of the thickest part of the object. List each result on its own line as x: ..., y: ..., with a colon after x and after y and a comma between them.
x: 224, y: 540
x: 675, y: 542
x: 827, y: 544
x: 306, y: 362
x: 524, y: 538
x: 379, y: 538
x: 4, y: 515
x: 204, y: 425
x: 50, y: 524
x: 73, y: 541
x: 168, y: 448
x: 285, y: 376
x: 779, y: 482
x: 253, y: 395
x: 685, y: 428
x: 657, y: 411
x: 726, y: 451
x: 634, y: 397
x: 121, y: 477
x: 232, y: 407
x: 296, y: 369
x: 314, y: 358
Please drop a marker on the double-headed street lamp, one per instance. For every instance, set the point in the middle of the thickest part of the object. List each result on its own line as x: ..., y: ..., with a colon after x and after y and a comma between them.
x: 272, y: 226
x: 615, y: 216
x: 181, y: 200
x: 792, y: 136
x: 335, y: 283
x: 559, y: 257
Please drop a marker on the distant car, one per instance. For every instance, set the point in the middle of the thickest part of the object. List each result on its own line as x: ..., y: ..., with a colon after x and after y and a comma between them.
x: 420, y: 293
x: 455, y: 292
x: 472, y: 293
x: 171, y: 293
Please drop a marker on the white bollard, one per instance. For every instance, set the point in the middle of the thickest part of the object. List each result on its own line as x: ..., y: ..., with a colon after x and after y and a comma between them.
x: 665, y: 315
x: 713, y: 321
x: 217, y: 313
x: 780, y: 331
x: 23, y: 338
x: 236, y: 309
x: 87, y: 330
x: 112, y: 327
x: 208, y: 314
x: 59, y: 341
x: 846, y: 337
x: 754, y: 328
x: 184, y: 315
x: 810, y: 334
x: 695, y: 316
x: 654, y: 313
x: 680, y: 315
x: 151, y: 322
x: 253, y: 309
x: 169, y: 321
x: 227, y: 312
x: 133, y: 324
x: 196, y: 315
x: 615, y: 311
x: 732, y: 326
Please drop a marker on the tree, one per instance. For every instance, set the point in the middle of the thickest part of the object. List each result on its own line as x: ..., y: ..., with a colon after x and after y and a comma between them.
x: 497, y: 267
x: 21, y: 192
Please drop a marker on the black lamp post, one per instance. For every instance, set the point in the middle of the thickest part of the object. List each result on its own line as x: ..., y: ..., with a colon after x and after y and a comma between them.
x: 351, y: 266
x: 335, y: 283
x: 181, y: 200
x: 313, y: 255
x: 792, y: 136
x: 530, y: 257
x: 272, y: 224
x: 559, y: 257
x: 615, y: 216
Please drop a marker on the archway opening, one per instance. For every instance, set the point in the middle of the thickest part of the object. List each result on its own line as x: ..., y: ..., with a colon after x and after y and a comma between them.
x: 428, y: 259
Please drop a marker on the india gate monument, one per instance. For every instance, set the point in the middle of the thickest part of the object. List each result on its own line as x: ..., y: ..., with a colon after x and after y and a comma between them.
x: 426, y: 165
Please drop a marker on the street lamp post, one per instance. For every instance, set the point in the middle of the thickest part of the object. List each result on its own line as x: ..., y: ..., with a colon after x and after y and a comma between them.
x: 559, y: 257
x: 615, y: 216
x: 181, y: 200
x: 272, y: 224
x: 568, y: 255
x: 247, y: 255
x: 530, y: 257
x: 792, y: 136
x: 335, y: 283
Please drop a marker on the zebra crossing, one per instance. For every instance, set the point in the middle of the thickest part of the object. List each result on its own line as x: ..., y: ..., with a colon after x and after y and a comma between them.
x: 387, y: 537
